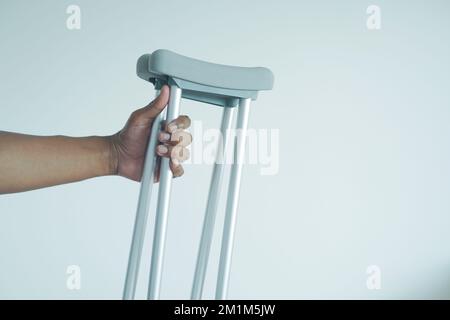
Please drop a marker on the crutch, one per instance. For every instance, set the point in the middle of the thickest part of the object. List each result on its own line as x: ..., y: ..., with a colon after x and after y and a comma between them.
x: 229, y: 87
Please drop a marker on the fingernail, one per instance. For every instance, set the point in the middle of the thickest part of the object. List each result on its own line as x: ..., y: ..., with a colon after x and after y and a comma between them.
x: 179, y: 172
x: 172, y: 127
x: 162, y: 149
x: 165, y: 136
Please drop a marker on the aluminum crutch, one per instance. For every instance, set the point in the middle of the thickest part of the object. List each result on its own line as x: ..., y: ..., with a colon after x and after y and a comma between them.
x: 229, y: 87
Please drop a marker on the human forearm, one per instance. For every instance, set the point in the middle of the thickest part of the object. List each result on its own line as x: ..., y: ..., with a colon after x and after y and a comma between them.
x: 30, y: 162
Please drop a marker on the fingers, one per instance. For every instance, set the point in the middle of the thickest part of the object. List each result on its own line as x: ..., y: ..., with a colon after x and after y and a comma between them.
x: 176, y: 168
x: 174, y: 132
x: 177, y: 155
x: 144, y: 115
x: 182, y: 122
x: 174, y: 142
x: 182, y: 138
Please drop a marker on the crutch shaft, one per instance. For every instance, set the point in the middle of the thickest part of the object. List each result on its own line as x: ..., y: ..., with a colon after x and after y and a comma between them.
x: 162, y: 208
x: 232, y: 201
x: 140, y: 223
x: 211, y: 207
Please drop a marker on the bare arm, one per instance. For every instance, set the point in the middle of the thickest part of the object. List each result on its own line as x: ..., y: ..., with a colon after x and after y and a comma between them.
x: 29, y: 162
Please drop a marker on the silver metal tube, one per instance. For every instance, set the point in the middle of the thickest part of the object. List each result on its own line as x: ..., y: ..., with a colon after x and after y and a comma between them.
x: 211, y: 207
x: 140, y: 223
x: 162, y: 208
x: 232, y: 201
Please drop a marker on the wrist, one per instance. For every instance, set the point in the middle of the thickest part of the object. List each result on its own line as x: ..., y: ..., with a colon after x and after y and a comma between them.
x: 112, y: 155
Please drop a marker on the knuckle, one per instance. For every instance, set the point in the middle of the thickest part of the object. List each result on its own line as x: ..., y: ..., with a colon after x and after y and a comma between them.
x: 186, y: 120
x: 181, y: 137
x: 134, y: 116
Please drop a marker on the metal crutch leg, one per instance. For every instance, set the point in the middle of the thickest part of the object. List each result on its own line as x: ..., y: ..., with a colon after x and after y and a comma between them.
x: 232, y: 201
x: 140, y: 223
x: 162, y: 208
x: 211, y: 207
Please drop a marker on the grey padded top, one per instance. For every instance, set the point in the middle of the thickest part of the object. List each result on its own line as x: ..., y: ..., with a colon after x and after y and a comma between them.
x: 167, y: 63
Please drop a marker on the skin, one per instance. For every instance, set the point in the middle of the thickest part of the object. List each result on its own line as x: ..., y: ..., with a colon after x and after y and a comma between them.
x: 30, y: 162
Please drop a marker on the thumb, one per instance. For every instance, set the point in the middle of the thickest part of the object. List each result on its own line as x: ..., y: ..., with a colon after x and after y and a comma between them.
x: 151, y: 111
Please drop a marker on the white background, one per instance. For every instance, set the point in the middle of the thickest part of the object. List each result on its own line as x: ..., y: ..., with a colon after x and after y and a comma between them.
x: 363, y: 116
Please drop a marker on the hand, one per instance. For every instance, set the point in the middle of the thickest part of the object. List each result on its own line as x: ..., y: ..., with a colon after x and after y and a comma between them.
x: 129, y: 145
